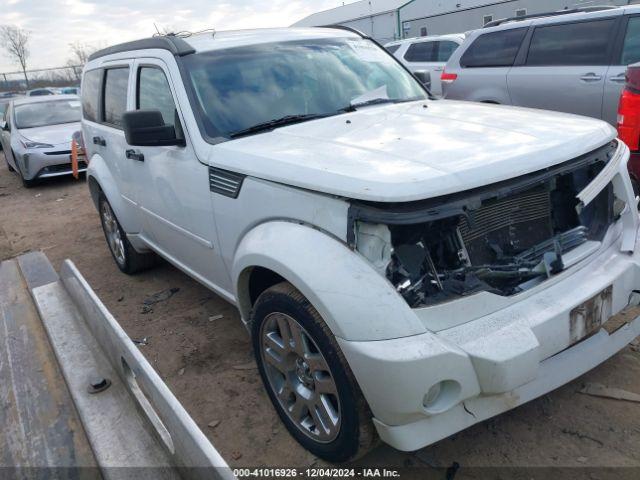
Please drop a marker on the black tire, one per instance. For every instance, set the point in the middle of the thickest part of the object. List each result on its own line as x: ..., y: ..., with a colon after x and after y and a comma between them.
x: 131, y: 261
x: 357, y: 434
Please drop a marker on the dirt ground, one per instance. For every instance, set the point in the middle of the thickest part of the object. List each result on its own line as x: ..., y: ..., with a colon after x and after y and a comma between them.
x: 208, y: 364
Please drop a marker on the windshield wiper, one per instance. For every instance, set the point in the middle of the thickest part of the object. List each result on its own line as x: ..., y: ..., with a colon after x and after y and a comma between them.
x: 377, y: 101
x: 277, y: 122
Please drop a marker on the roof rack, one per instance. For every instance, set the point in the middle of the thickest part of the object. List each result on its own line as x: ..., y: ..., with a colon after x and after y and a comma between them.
x: 176, y: 45
x: 495, y: 23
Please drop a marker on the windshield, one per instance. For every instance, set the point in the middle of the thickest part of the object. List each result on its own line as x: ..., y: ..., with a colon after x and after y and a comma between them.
x: 239, y: 88
x: 40, y: 114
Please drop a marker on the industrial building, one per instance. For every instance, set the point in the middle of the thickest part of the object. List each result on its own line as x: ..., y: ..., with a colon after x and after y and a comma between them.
x: 387, y: 20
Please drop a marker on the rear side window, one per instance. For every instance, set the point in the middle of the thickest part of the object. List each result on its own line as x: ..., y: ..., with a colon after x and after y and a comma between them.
x: 584, y: 43
x: 115, y: 95
x: 91, y: 94
x: 445, y: 50
x: 154, y: 93
x: 631, y: 50
x: 496, y: 49
x: 422, y: 52
x: 392, y: 49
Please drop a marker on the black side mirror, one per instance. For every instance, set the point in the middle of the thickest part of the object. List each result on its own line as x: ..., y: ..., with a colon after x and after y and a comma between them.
x: 4, y: 126
x: 424, y: 77
x: 146, y: 128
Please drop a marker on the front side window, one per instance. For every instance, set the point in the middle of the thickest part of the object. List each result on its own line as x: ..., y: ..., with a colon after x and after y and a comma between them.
x: 40, y: 114
x: 422, y: 52
x: 496, y: 49
x: 445, y: 50
x: 154, y: 93
x: 584, y: 43
x: 245, y: 87
x: 115, y: 95
x: 631, y: 50
x: 91, y: 86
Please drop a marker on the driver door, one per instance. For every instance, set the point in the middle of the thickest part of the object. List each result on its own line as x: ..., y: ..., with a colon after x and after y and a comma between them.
x: 173, y: 186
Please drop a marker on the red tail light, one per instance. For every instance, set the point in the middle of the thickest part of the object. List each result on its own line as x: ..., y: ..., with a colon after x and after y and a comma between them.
x: 629, y: 110
x: 448, y: 77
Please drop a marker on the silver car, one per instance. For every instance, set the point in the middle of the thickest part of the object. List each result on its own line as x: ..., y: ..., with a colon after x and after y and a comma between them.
x: 426, y: 54
x: 568, y: 62
x: 36, y: 136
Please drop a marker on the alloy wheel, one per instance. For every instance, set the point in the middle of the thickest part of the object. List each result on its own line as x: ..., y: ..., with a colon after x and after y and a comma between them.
x: 300, y: 377
x: 112, y: 232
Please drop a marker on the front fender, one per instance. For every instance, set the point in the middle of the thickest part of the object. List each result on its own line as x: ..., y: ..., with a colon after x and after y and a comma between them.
x: 354, y: 300
x: 99, y: 172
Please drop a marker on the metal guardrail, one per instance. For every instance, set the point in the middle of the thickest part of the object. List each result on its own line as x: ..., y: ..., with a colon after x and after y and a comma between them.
x: 132, y: 420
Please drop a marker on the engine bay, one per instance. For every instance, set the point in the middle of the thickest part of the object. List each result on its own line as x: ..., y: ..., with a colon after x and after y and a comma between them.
x: 502, y: 239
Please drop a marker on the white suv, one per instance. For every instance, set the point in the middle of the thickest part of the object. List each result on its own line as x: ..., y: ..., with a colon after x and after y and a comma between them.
x: 407, y: 267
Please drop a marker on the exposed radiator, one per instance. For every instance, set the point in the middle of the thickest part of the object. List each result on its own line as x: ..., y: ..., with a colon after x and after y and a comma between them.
x: 509, y: 225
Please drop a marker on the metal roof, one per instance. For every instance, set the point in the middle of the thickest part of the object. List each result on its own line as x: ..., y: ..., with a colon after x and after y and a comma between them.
x: 351, y: 11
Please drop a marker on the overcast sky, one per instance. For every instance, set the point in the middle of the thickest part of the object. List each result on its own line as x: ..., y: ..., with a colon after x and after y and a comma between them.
x: 54, y: 24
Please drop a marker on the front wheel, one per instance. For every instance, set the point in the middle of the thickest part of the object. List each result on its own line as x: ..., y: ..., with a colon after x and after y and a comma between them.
x: 307, y: 377
x: 129, y: 261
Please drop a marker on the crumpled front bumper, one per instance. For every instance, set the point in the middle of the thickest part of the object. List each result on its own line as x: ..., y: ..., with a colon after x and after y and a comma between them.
x: 506, y: 358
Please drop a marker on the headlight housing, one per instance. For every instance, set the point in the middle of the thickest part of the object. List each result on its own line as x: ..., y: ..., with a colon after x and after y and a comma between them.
x: 31, y: 144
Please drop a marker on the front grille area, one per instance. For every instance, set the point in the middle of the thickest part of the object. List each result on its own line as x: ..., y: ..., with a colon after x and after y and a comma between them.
x: 62, y: 168
x: 59, y: 152
x: 503, y: 239
x: 519, y: 222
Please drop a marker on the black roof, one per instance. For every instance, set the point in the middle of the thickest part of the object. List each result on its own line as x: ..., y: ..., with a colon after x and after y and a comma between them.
x: 175, y: 45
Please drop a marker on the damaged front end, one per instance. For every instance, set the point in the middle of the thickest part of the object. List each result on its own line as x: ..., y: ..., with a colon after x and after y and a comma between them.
x: 504, y: 238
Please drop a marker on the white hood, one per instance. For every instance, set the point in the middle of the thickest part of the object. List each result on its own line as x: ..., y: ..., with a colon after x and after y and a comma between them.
x: 407, y: 152
x: 51, y: 134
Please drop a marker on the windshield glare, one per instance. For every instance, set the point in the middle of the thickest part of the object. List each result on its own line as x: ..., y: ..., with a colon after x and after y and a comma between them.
x: 40, y: 114
x: 242, y: 87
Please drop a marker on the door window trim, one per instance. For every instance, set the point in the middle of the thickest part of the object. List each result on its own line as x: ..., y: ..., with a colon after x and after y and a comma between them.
x: 141, y: 63
x: 616, y: 58
x: 611, y: 44
x: 99, y: 99
x: 103, y: 89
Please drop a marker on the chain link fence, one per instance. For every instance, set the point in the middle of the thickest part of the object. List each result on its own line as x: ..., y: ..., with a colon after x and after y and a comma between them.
x: 46, y: 77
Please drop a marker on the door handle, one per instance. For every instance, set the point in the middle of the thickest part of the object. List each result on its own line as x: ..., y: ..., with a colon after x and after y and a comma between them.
x: 99, y: 141
x: 591, y: 77
x: 135, y: 155
x: 619, y: 78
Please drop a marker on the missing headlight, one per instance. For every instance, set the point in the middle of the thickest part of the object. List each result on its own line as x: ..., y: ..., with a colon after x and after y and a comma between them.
x: 502, y: 239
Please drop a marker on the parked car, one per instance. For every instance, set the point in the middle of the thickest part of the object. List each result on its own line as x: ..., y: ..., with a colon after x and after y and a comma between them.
x: 572, y: 63
x: 70, y: 91
x: 405, y: 266
x: 36, y: 136
x: 39, y: 92
x: 427, y: 54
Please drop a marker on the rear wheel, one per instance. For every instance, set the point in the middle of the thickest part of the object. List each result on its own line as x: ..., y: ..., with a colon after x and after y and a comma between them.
x: 307, y: 377
x: 126, y: 257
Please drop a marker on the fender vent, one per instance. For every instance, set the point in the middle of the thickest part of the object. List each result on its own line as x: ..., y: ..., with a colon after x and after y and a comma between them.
x: 225, y: 182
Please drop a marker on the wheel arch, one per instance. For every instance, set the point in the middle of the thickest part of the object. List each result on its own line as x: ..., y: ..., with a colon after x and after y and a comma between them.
x: 101, y: 180
x: 355, y: 301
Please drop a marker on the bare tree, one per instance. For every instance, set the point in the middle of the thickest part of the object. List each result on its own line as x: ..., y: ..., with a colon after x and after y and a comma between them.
x: 14, y: 40
x: 80, y: 53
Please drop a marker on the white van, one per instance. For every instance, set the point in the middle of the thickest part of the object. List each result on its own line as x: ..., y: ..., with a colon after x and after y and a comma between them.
x: 427, y: 54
